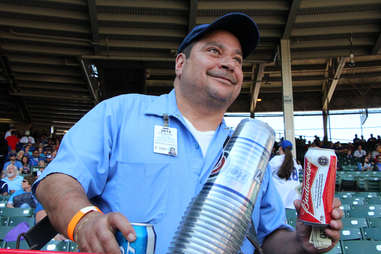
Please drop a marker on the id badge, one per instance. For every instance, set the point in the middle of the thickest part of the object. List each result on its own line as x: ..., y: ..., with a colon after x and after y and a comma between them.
x: 165, y: 140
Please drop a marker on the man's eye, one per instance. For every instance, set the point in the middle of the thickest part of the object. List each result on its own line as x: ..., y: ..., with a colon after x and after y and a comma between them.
x: 238, y: 59
x: 214, y: 50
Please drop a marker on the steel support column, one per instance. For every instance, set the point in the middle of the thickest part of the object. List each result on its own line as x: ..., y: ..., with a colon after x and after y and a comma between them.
x: 288, y: 103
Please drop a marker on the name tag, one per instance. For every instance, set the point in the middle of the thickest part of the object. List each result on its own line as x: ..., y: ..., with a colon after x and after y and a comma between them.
x: 165, y: 140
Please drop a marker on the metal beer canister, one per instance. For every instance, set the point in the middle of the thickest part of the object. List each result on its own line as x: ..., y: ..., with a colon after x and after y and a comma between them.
x: 318, y: 186
x: 144, y: 243
x: 218, y: 218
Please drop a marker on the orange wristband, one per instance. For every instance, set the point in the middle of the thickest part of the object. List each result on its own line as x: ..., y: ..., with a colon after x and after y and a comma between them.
x: 77, y: 217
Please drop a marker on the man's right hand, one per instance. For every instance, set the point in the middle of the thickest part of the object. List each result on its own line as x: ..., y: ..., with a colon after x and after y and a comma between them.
x: 95, y: 232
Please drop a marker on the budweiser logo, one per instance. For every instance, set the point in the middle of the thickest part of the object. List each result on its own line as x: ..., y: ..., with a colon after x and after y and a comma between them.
x: 307, y: 187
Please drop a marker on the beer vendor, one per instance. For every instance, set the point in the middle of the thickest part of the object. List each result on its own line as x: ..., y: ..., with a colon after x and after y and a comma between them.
x: 141, y: 159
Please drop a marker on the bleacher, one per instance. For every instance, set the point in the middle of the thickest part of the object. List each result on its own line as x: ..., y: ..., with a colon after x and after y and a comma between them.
x: 11, y: 217
x: 360, y: 194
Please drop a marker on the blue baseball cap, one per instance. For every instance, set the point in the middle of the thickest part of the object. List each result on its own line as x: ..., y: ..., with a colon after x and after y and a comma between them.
x: 286, y: 144
x: 237, y: 23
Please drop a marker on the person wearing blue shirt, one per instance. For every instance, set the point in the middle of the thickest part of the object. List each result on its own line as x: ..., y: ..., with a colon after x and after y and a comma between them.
x: 143, y: 158
x: 12, y: 160
x: 13, y: 179
x: 23, y: 198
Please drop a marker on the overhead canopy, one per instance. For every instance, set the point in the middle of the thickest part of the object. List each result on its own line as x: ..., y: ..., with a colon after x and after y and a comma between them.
x: 48, y: 49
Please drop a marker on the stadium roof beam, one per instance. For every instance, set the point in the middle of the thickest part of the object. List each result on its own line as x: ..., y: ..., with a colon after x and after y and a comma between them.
x: 193, y: 7
x: 92, y: 88
x: 332, y: 83
x: 94, y: 24
x: 291, y: 18
x: 377, y: 47
x: 256, y: 86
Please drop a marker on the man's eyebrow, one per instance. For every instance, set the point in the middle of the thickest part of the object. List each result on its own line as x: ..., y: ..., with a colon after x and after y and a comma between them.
x: 214, y: 43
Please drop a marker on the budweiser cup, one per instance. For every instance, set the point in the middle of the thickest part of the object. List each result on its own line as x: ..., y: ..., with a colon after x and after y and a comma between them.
x: 318, y: 186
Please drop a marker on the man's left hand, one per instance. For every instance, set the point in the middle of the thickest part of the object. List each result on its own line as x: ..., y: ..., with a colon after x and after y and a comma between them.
x: 303, y: 231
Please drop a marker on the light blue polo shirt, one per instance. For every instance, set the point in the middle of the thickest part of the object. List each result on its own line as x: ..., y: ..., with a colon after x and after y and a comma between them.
x: 110, y: 152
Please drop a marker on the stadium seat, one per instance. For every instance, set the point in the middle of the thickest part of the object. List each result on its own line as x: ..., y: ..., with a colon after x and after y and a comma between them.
x: 73, y: 247
x: 374, y: 222
x: 351, y: 233
x: 364, y: 212
x: 354, y: 222
x: 348, y: 183
x: 4, y: 220
x: 16, y: 212
x: 371, y: 233
x: 54, y: 245
x: 4, y: 231
x: 336, y: 250
x: 12, y: 245
x: 3, y: 203
x: 373, y: 184
x: 361, y: 247
x: 13, y: 221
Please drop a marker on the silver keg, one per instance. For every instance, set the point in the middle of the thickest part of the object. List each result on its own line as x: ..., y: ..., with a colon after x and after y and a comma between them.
x: 219, y: 217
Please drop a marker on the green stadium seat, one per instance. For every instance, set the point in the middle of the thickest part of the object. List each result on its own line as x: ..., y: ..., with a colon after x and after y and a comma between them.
x: 4, y: 231
x: 291, y: 216
x: 73, y: 247
x: 364, y: 212
x: 361, y: 247
x: 374, y: 222
x: 373, y: 201
x: 12, y: 245
x: 16, y: 212
x: 351, y: 233
x: 366, y: 195
x: 4, y: 221
x: 13, y: 221
x: 336, y: 250
x: 373, y: 184
x: 354, y: 222
x: 54, y: 245
x: 371, y: 234
x: 3, y: 203
x: 353, y: 201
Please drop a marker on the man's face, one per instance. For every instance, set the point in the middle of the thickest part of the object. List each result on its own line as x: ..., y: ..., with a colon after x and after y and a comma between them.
x: 213, y: 71
x: 11, y: 171
x: 36, y: 153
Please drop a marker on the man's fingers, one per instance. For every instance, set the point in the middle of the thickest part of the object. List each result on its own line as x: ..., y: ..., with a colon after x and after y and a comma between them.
x: 123, y: 225
x: 336, y: 203
x: 107, y: 242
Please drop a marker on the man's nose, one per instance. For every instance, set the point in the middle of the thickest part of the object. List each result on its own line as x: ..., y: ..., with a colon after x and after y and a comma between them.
x: 227, y: 63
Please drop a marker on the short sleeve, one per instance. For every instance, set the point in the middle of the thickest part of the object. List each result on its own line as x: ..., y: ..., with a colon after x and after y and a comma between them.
x: 85, y: 151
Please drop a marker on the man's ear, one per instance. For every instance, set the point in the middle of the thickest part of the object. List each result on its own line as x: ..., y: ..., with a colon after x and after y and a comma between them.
x: 180, y: 60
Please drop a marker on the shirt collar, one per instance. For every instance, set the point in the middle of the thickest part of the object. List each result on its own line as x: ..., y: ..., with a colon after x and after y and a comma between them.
x: 166, y: 104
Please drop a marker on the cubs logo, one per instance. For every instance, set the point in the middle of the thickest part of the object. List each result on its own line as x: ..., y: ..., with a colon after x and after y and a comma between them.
x: 219, y: 165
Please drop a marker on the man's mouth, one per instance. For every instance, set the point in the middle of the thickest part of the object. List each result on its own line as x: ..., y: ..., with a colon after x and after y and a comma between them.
x: 225, y: 76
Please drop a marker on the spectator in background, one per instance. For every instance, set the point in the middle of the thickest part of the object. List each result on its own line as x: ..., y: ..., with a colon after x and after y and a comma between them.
x: 356, y: 140
x: 23, y: 198
x: 13, y: 161
x: 27, y: 150
x: 8, y: 132
x: 377, y: 164
x: 25, y: 165
x: 3, y: 188
x: 27, y: 138
x: 41, y: 153
x: 359, y: 154
x: 41, y: 167
x: 376, y: 152
x: 19, y: 155
x: 12, y: 141
x: 34, y: 159
x: 367, y: 165
x: 284, y: 170
x: 13, y: 179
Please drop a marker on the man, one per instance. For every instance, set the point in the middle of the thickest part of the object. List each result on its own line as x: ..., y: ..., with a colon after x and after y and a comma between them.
x: 35, y: 158
x: 12, y: 178
x: 23, y: 198
x: 12, y: 160
x: 116, y: 157
x: 12, y: 141
x: 27, y: 138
